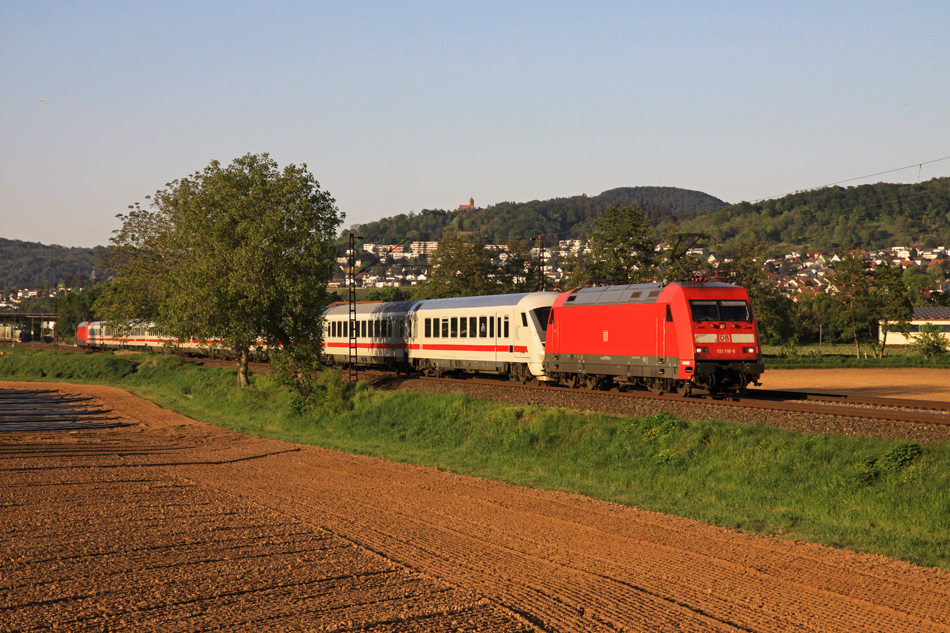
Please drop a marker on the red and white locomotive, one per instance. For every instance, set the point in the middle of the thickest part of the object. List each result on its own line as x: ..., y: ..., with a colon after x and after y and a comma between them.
x: 673, y: 336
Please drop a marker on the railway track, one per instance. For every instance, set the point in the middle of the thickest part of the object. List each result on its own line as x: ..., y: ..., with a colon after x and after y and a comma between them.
x: 809, y: 403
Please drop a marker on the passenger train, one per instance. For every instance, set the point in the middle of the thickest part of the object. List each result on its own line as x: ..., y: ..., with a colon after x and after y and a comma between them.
x: 666, y: 337
x: 680, y: 336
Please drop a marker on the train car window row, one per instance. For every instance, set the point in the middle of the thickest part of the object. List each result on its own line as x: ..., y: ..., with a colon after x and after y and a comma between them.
x: 465, y: 327
x: 374, y: 328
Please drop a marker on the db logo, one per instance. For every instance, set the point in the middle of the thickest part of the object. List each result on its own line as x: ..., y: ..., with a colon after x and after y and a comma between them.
x: 725, y: 338
x: 605, y: 336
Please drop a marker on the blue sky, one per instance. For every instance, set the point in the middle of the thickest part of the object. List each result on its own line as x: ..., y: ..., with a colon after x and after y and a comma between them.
x: 402, y: 106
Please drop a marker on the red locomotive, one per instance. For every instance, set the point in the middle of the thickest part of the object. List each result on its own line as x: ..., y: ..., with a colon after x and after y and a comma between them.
x: 676, y: 336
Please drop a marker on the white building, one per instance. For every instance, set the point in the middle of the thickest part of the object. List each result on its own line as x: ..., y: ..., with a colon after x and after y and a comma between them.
x: 938, y: 317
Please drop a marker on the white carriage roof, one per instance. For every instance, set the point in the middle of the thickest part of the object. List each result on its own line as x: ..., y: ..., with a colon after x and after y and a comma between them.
x: 487, y: 301
x: 382, y: 309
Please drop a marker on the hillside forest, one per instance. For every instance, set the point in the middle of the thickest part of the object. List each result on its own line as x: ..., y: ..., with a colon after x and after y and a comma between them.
x: 559, y: 218
x: 833, y: 219
x: 38, y: 266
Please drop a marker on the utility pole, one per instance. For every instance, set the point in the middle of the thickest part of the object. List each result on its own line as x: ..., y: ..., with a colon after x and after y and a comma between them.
x: 351, y: 273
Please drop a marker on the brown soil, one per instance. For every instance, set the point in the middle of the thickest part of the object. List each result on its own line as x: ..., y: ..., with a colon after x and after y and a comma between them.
x: 173, y: 525
x: 912, y: 383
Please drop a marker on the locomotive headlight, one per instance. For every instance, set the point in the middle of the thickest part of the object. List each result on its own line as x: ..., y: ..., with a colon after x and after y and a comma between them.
x: 702, y: 350
x: 748, y: 350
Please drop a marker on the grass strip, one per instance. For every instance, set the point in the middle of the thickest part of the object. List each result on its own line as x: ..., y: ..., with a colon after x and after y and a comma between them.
x: 864, y: 494
x: 843, y: 356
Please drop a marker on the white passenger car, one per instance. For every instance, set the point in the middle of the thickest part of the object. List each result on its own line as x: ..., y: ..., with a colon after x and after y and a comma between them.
x: 381, y: 333
x: 495, y: 334
x: 501, y: 334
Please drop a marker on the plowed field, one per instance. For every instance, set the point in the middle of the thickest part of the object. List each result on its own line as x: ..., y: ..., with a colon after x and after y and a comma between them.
x: 173, y: 525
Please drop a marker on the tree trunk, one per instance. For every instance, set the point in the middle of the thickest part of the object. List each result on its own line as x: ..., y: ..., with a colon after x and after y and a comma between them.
x: 242, y: 368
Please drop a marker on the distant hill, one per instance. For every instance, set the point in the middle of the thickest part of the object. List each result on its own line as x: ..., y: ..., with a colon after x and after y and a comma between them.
x: 837, y: 218
x: 558, y: 218
x: 35, y: 265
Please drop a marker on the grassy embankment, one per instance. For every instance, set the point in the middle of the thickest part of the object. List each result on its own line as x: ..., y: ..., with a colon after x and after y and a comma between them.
x: 870, y: 495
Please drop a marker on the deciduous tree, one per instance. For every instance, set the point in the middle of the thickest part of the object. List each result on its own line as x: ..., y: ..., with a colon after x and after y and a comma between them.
x: 237, y: 254
x: 775, y: 314
x: 622, y: 246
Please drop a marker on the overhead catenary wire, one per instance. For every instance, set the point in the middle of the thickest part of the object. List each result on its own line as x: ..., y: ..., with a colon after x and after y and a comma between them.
x: 880, y: 173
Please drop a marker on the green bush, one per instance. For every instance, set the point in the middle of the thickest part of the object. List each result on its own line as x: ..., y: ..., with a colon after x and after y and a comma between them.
x: 930, y: 342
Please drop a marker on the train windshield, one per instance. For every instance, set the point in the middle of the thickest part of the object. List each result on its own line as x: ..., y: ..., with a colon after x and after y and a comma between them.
x: 720, y: 311
x: 540, y: 318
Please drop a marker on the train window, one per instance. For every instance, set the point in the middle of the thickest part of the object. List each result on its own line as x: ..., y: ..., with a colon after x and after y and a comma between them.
x: 734, y: 311
x: 524, y: 320
x: 720, y: 311
x: 363, y: 329
x: 491, y: 327
x: 428, y: 328
x: 506, y: 326
x: 445, y: 328
x: 473, y: 327
x: 345, y: 328
x: 540, y: 318
x: 455, y: 327
x: 704, y: 310
x: 463, y: 328
x: 669, y: 314
x: 482, y: 327
x: 436, y: 328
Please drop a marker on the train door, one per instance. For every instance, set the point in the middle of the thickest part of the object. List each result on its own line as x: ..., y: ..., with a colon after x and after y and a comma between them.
x: 661, y: 328
x: 500, y: 330
x: 521, y: 338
